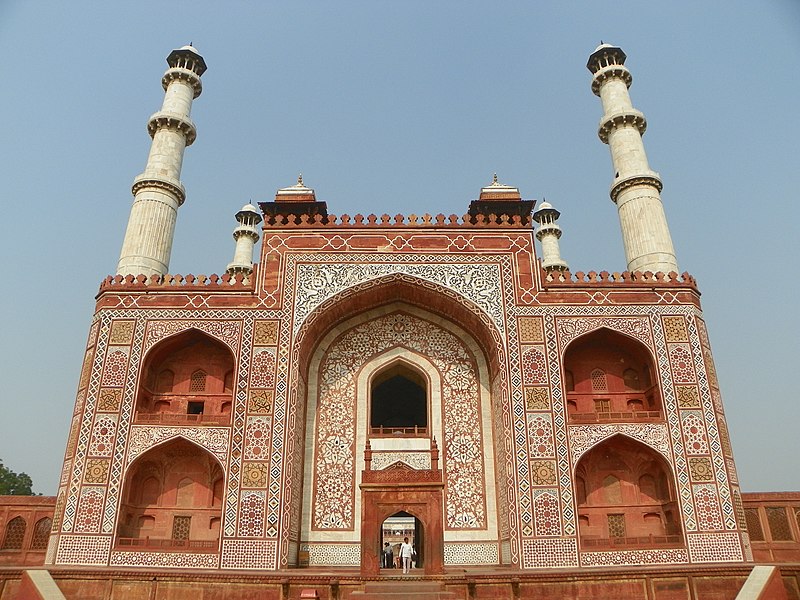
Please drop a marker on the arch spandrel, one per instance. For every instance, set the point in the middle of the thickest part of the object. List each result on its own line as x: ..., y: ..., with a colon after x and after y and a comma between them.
x: 571, y: 329
x: 210, y: 439
x: 476, y: 286
x: 160, y: 331
x: 655, y: 436
x: 313, y: 324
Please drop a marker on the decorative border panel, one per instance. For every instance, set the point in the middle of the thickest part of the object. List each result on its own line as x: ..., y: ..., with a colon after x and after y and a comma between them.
x: 549, y: 553
x: 635, y: 558
x: 342, y: 555
x: 89, y: 550
x: 471, y: 553
x: 715, y: 547
x: 169, y: 560
x: 249, y: 554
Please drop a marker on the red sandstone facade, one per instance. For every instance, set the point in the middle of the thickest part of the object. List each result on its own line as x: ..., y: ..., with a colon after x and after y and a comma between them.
x: 222, y: 422
x: 534, y: 423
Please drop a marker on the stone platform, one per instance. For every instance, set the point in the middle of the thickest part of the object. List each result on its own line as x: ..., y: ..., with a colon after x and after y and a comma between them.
x: 711, y: 582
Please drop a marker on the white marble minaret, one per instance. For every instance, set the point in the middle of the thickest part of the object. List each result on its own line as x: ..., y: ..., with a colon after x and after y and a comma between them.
x: 158, y: 191
x: 635, y: 189
x: 548, y: 235
x: 246, y: 236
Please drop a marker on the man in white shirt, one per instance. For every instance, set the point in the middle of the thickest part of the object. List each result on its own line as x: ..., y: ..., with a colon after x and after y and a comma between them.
x: 406, y: 551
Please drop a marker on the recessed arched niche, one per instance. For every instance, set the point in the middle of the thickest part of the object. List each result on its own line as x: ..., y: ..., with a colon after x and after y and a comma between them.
x: 186, y: 379
x: 626, y: 497
x: 172, y: 498
x: 609, y: 377
x: 399, y: 401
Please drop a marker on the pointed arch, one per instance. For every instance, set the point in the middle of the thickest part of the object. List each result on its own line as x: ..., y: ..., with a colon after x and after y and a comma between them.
x: 610, y: 378
x: 630, y: 496
x: 41, y: 533
x: 359, y: 352
x: 655, y: 438
x: 14, y: 534
x: 414, y: 291
x: 169, y: 486
x: 399, y: 398
x: 382, y: 295
x: 185, y: 378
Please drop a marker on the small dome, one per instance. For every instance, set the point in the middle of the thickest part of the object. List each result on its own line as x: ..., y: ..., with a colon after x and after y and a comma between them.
x: 603, y: 45
x: 249, y: 208
x: 190, y: 48
x: 545, y: 204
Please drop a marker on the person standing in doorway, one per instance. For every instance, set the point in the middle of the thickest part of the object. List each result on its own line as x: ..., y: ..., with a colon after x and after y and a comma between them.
x: 388, y: 556
x: 406, y: 551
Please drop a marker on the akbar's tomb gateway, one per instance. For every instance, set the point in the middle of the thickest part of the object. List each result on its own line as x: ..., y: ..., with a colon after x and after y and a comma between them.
x: 365, y: 368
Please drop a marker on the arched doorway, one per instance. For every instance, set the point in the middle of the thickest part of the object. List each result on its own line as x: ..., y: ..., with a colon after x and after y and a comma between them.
x: 394, y: 530
x: 360, y: 370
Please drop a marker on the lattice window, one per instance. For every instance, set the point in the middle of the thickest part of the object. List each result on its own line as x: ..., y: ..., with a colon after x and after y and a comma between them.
x: 778, y: 524
x: 602, y: 405
x: 15, y: 533
x: 599, y: 381
x: 181, y: 527
x: 754, y: 524
x: 197, y: 382
x: 41, y: 533
x: 616, y: 526
x: 631, y: 379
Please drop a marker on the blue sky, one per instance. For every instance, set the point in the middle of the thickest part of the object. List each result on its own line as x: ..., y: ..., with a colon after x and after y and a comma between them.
x: 402, y: 107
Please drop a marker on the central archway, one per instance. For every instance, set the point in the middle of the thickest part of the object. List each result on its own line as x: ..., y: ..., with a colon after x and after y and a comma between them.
x: 444, y: 366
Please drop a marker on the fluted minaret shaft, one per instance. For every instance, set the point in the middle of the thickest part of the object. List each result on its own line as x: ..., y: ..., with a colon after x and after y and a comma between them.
x: 158, y: 191
x: 636, y: 188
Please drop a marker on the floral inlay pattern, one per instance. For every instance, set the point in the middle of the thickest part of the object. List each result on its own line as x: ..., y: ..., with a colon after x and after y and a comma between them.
x: 334, y: 468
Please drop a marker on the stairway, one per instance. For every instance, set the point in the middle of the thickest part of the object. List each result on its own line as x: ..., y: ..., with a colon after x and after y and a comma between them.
x: 398, y: 589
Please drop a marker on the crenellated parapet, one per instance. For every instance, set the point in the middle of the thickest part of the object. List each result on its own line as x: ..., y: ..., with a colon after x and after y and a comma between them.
x: 171, y: 283
x: 647, y: 279
x: 399, y: 220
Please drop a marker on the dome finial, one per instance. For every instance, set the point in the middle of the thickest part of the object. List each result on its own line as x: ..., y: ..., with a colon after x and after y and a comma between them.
x: 300, y: 179
x: 494, y: 178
